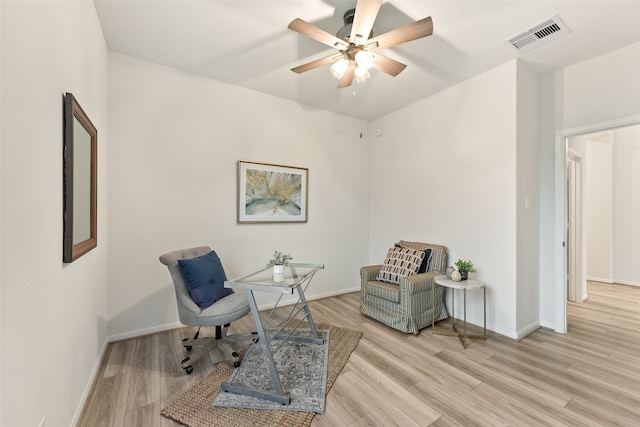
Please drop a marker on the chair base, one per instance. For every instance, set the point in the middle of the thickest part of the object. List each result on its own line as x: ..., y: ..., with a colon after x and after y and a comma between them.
x: 220, y: 346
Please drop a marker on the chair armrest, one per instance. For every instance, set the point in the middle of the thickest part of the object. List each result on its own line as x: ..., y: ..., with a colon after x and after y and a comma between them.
x: 418, y: 282
x: 369, y: 272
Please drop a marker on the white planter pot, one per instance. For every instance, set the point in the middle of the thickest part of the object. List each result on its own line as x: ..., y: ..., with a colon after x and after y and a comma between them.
x: 278, y: 273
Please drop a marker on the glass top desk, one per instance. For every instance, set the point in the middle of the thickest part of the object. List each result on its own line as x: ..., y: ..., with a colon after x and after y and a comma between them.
x: 296, y: 278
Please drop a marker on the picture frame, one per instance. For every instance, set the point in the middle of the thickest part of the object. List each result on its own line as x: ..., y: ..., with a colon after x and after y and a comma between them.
x: 80, y: 181
x: 270, y: 193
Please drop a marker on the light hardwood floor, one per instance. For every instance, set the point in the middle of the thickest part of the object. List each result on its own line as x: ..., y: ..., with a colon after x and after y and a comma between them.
x: 588, y: 377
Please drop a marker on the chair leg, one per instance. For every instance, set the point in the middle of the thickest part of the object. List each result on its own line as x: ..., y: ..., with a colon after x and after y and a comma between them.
x: 205, y: 345
x: 195, y: 337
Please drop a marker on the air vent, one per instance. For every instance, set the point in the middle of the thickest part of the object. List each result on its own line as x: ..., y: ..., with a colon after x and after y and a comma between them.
x: 543, y: 33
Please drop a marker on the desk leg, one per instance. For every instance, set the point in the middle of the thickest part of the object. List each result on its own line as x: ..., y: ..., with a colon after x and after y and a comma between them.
x: 312, y: 325
x: 279, y: 395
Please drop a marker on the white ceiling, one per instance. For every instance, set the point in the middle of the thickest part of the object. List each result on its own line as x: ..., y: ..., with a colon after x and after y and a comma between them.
x: 247, y: 43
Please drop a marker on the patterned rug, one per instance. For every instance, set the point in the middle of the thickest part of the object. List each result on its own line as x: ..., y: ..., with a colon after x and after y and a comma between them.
x: 194, y: 407
x: 302, y: 368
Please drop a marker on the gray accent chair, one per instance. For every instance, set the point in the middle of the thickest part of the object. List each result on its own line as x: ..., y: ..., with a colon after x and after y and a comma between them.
x: 407, y: 307
x: 220, y: 314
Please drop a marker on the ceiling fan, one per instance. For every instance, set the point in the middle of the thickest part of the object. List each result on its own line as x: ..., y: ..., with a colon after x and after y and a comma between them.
x: 356, y: 44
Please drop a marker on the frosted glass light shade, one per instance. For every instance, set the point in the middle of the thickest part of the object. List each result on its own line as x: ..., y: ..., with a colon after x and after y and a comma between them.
x: 364, y: 59
x: 339, y: 68
x: 362, y: 75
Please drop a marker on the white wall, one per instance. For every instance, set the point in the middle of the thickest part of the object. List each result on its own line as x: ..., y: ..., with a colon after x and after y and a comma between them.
x: 594, y: 91
x: 526, y: 203
x: 444, y: 171
x: 53, y: 315
x: 598, y: 206
x: 601, y: 89
x: 612, y: 204
x: 546, y: 198
x: 626, y: 205
x: 176, y: 140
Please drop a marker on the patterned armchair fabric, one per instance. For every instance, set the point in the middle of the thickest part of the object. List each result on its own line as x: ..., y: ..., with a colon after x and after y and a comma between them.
x: 406, y: 307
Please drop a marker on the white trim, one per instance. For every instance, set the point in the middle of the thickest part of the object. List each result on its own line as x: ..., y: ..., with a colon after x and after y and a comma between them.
x: 599, y: 279
x: 601, y: 126
x: 549, y: 326
x: 88, y: 386
x: 560, y: 269
x: 528, y: 330
x: 144, y: 331
x: 626, y: 282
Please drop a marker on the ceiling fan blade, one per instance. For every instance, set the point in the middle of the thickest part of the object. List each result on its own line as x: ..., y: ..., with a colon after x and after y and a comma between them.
x: 388, y: 65
x: 347, y: 78
x: 315, y: 64
x: 366, y: 12
x: 315, y: 33
x: 414, y: 31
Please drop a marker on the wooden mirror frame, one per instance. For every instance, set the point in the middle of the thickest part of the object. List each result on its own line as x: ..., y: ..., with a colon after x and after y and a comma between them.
x: 73, y: 249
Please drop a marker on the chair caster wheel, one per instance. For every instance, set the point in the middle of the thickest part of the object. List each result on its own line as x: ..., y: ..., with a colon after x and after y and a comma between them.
x: 236, y: 364
x: 186, y: 347
x: 188, y: 369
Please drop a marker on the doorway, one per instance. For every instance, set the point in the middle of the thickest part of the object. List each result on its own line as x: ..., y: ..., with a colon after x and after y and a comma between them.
x: 570, y: 261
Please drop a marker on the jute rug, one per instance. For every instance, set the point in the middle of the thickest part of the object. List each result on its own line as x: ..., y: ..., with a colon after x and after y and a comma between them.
x: 194, y: 409
x: 302, y: 370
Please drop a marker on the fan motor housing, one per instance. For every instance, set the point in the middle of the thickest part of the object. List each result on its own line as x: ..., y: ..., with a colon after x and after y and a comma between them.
x: 344, y: 33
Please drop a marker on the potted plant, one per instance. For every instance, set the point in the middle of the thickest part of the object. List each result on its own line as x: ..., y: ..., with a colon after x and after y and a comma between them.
x: 464, y: 267
x: 278, y: 262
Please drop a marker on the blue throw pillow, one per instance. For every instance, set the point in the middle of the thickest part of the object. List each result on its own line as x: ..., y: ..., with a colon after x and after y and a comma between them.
x: 204, y: 276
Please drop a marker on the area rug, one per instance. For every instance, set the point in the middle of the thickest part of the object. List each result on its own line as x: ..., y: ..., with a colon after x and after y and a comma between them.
x: 302, y: 369
x: 193, y: 408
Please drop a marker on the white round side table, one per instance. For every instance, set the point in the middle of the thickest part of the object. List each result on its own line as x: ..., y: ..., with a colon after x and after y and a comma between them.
x: 464, y: 285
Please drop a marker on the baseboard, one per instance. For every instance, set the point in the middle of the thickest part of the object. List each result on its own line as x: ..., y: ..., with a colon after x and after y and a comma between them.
x: 87, y: 390
x: 144, y: 331
x: 549, y: 326
x: 612, y: 282
x: 626, y: 282
x: 528, y: 330
x: 599, y: 279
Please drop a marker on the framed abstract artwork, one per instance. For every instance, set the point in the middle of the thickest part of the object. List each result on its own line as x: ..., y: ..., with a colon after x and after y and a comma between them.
x: 271, y: 193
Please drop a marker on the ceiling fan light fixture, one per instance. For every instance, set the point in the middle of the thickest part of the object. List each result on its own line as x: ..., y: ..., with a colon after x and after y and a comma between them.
x: 362, y: 74
x: 364, y: 59
x: 355, y: 57
x: 339, y: 68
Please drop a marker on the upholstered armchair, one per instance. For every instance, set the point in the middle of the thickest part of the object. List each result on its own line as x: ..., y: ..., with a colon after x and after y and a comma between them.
x: 406, y: 306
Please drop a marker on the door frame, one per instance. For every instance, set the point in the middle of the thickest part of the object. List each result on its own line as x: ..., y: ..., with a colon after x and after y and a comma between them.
x: 575, y: 230
x: 560, y: 228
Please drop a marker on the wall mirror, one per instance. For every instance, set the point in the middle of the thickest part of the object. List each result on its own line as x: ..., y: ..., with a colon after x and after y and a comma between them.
x: 80, y: 159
